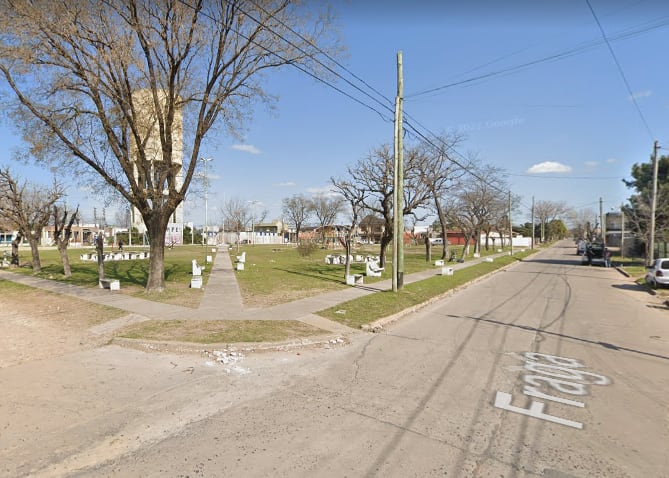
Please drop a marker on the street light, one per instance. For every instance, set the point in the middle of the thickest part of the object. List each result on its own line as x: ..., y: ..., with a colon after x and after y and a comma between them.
x: 206, y: 190
x: 253, y: 235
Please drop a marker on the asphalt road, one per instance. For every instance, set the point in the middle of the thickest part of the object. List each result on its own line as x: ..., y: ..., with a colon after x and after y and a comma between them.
x: 548, y: 368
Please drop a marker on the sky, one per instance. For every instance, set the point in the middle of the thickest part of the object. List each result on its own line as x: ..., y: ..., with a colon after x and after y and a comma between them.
x: 533, y: 88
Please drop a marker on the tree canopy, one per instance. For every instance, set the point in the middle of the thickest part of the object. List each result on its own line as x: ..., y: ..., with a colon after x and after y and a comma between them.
x: 128, y: 89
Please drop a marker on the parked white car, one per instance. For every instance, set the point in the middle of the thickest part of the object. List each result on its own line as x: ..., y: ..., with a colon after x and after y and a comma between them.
x: 657, y: 274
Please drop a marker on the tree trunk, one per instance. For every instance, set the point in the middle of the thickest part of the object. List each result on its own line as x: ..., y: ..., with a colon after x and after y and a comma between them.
x: 62, y: 248
x: 385, y: 241
x: 100, y: 249
x: 444, y: 231
x: 465, y: 249
x: 156, y: 279
x: 347, y: 251
x: 15, y: 250
x: 34, y: 250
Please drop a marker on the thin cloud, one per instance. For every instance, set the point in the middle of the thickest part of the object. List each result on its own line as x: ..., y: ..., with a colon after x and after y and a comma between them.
x: 246, y: 148
x: 640, y: 94
x: 324, y: 191
x: 549, y: 167
x: 287, y: 184
x: 611, y: 161
x: 591, y: 164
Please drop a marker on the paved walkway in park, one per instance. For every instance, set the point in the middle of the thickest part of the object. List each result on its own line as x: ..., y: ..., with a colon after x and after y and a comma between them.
x: 222, y: 298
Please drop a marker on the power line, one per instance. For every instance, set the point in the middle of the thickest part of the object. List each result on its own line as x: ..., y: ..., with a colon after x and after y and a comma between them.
x: 300, y: 67
x: 413, y: 129
x: 554, y: 57
x: 620, y: 70
x: 469, y: 170
x: 326, y: 55
x: 319, y: 50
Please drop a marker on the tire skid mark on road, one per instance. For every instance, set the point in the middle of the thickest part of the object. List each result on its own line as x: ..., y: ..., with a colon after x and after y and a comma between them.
x: 483, y: 400
x: 499, y: 347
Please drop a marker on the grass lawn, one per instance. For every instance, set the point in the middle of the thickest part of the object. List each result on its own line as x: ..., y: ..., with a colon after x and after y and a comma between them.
x: 272, y: 275
x: 218, y: 331
x: 132, y: 274
x: 278, y: 274
x: 369, y: 308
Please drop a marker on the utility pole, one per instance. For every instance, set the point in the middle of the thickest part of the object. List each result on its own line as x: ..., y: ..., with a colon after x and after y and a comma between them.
x: 602, y: 228
x: 622, y: 232
x: 206, y: 193
x: 653, y: 206
x: 510, y: 226
x: 532, y: 223
x: 398, y: 185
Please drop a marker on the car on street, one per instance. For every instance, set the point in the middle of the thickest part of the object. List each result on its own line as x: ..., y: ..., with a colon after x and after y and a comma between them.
x: 580, y: 246
x: 657, y: 274
x: 595, y: 254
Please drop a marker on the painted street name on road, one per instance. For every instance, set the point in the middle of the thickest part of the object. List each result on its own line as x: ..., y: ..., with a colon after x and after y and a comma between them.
x: 559, y: 374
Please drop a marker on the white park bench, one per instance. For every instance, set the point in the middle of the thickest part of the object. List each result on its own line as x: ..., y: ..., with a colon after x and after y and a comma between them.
x: 355, y: 279
x: 197, y: 270
x: 372, y: 269
x: 111, y: 284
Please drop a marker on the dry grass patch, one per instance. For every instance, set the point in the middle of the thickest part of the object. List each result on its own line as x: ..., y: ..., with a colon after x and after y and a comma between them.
x: 220, y: 331
x: 61, y: 310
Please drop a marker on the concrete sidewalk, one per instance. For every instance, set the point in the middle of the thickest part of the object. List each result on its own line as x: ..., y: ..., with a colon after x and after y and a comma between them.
x: 222, y: 299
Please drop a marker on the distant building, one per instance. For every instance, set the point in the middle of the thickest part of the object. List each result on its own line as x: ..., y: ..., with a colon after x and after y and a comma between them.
x: 149, y: 131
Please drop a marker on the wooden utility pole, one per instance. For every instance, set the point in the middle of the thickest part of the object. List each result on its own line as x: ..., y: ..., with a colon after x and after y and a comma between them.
x: 602, y: 228
x: 622, y: 232
x: 532, y: 223
x: 653, y: 207
x: 510, y: 226
x: 398, y: 186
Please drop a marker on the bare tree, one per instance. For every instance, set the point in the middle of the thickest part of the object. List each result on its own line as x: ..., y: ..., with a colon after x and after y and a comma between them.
x: 478, y: 203
x: 297, y: 209
x: 546, y: 211
x: 580, y: 222
x: 374, y: 174
x: 128, y: 89
x: 326, y: 209
x: 440, y: 174
x: 236, y: 214
x: 28, y: 207
x: 355, y: 198
x: 62, y: 232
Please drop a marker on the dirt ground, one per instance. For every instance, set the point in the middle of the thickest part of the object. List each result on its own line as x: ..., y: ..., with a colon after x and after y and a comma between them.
x: 70, y: 402
x: 38, y: 325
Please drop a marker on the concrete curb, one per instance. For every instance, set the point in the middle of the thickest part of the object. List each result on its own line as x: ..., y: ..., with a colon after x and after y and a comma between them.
x: 378, y: 325
x: 329, y: 341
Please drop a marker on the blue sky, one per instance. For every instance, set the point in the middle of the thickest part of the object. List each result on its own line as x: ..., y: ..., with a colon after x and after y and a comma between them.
x: 565, y: 129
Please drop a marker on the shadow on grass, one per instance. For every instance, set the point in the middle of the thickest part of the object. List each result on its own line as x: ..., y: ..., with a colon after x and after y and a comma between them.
x: 314, y: 272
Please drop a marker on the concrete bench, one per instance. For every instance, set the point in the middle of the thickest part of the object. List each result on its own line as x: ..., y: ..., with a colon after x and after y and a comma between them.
x: 242, y: 258
x: 439, y: 262
x: 111, y: 284
x: 372, y: 269
x: 446, y: 271
x: 196, y: 282
x: 355, y: 279
x: 197, y: 270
